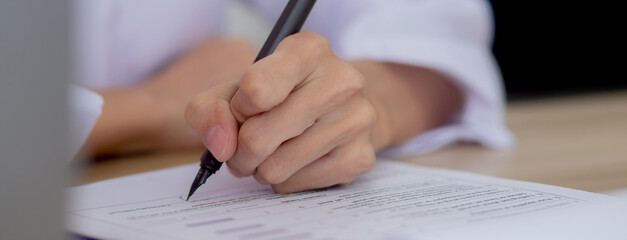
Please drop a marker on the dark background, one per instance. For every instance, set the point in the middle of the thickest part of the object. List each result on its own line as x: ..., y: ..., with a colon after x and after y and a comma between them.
x: 555, y: 48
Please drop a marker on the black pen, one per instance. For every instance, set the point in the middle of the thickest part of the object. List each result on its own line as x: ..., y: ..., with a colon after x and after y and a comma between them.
x: 290, y: 22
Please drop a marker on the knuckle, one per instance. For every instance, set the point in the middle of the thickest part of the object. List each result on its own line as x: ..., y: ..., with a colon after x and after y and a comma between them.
x: 237, y: 169
x: 251, y: 138
x: 367, y: 114
x: 317, y: 41
x: 268, y: 172
x: 352, y: 81
x: 346, y: 172
x: 315, y: 45
x: 354, y: 78
x: 363, y: 118
x: 367, y: 161
x: 357, y: 162
x: 255, y: 88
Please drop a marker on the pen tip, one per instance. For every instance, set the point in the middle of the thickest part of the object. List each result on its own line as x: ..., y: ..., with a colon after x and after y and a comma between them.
x: 191, y: 191
x: 200, y: 179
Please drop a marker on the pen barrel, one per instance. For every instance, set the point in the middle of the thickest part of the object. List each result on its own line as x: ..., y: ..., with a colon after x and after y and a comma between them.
x: 290, y: 22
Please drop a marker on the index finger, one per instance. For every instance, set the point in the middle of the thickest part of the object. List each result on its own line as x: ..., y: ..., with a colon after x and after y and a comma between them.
x: 268, y: 82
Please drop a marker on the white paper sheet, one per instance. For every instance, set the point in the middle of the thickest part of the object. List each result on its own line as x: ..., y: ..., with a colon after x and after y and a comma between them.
x: 394, y: 201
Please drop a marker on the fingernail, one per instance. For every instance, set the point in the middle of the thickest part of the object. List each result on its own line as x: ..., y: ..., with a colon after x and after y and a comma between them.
x: 216, y: 141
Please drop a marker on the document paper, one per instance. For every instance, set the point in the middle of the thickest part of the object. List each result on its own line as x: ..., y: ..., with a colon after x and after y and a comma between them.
x: 393, y: 201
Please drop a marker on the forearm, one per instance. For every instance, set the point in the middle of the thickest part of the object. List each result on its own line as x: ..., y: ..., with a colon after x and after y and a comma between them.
x: 127, y: 122
x: 150, y: 116
x: 408, y: 100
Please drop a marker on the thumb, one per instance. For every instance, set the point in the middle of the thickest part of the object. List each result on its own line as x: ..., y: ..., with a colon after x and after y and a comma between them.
x: 210, y: 116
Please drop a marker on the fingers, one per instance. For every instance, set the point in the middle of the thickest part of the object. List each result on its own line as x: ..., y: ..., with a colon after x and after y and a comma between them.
x: 269, y: 81
x: 342, y: 166
x: 299, y: 115
x: 210, y: 116
x: 332, y: 130
x: 305, y: 121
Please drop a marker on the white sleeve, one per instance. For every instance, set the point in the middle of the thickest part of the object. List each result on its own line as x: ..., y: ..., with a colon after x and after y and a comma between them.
x: 452, y: 37
x: 85, y: 107
x: 449, y: 36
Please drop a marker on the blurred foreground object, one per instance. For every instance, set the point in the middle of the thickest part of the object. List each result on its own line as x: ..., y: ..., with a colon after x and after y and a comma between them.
x: 34, y: 70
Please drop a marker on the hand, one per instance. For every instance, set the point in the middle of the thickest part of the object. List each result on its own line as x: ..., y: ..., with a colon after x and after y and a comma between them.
x: 150, y: 116
x: 305, y: 120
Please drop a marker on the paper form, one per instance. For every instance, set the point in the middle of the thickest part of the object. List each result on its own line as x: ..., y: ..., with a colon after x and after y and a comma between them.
x: 393, y: 201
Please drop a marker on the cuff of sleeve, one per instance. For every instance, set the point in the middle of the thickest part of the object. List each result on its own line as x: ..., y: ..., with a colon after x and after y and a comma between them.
x: 85, y: 107
x: 470, y: 67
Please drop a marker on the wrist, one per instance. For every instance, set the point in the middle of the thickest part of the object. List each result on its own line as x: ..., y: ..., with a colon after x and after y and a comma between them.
x: 153, y: 103
x: 126, y: 120
x: 408, y: 100
x: 160, y: 112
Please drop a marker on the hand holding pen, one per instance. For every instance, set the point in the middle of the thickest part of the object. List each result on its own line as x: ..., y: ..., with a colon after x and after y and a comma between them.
x: 297, y: 119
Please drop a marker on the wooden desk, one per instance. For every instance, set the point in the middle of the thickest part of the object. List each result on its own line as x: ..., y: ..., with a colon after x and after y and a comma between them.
x: 577, y: 142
